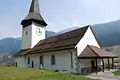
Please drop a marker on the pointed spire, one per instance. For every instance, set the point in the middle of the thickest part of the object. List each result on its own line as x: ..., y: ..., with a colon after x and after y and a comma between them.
x: 34, y: 15
x: 34, y: 6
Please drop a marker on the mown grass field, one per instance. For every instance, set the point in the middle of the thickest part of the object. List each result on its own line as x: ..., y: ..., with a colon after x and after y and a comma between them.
x: 12, y: 73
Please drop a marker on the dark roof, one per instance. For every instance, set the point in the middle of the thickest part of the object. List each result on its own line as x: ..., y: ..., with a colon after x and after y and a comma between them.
x: 34, y: 15
x: 34, y: 6
x: 63, y: 41
x: 22, y: 52
x: 93, y: 51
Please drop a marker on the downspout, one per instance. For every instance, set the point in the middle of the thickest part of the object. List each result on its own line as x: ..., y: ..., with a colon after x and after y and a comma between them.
x: 78, y: 71
x: 77, y: 68
x: 71, y: 58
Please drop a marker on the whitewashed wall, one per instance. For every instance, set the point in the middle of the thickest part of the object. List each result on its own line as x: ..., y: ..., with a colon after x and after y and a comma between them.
x: 88, y: 39
x: 35, y: 37
x: 32, y: 38
x: 20, y: 61
x: 26, y: 39
x: 63, y: 60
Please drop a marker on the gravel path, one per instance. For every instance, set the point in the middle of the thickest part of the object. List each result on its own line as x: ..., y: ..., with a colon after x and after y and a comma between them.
x: 107, y: 75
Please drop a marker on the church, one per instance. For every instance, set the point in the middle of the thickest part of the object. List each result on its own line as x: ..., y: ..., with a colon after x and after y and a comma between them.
x: 76, y: 51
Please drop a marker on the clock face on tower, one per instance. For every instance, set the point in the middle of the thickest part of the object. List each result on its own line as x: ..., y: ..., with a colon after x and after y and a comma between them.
x: 38, y: 31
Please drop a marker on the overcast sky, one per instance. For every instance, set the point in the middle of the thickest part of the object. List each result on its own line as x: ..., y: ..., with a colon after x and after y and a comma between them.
x: 59, y: 14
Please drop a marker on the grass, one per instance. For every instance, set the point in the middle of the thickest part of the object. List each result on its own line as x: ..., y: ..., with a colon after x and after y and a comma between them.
x: 12, y: 73
x: 117, y: 73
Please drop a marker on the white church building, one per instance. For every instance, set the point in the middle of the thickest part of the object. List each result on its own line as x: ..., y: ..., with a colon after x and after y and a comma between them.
x: 74, y: 51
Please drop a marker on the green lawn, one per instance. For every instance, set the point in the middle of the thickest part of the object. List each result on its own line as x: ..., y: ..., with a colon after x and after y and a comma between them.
x: 12, y: 73
x: 117, y: 73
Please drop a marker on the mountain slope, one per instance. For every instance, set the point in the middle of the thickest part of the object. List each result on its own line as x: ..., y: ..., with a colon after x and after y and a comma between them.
x: 108, y: 33
x: 10, y: 45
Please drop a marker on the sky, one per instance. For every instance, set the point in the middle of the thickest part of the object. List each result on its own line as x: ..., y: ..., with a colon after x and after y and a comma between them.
x: 59, y: 14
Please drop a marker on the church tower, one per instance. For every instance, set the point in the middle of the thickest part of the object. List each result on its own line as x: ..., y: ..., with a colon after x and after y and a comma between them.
x: 33, y: 27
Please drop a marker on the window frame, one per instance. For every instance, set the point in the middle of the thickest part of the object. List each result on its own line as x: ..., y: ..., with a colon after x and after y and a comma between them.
x: 41, y: 60
x: 53, y: 60
x: 28, y: 60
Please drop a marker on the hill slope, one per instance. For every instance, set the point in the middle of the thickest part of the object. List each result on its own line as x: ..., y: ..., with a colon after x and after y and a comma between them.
x: 108, y: 33
x: 10, y: 45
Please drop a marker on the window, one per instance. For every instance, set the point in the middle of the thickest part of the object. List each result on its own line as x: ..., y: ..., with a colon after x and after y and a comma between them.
x: 16, y: 64
x: 32, y: 64
x: 28, y: 60
x: 53, y: 60
x: 41, y: 60
x: 26, y: 32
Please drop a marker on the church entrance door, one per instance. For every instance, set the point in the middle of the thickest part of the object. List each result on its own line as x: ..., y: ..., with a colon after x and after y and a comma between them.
x: 32, y: 64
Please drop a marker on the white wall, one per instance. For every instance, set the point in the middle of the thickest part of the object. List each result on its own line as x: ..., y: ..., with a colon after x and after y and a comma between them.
x: 88, y: 39
x: 63, y: 60
x: 20, y: 61
x: 35, y: 36
x: 26, y: 39
x: 32, y: 38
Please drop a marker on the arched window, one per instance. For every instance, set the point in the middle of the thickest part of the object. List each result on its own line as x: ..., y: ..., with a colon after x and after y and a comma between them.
x: 41, y: 60
x: 41, y: 65
x: 28, y: 60
x: 16, y: 64
x: 53, y: 60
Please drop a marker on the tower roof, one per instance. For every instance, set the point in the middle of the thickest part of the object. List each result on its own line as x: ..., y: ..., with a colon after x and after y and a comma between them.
x: 34, y: 15
x: 34, y: 6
